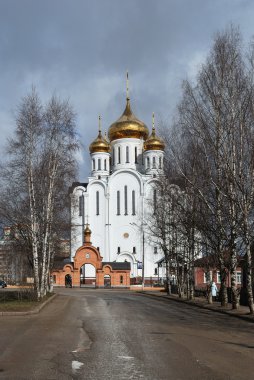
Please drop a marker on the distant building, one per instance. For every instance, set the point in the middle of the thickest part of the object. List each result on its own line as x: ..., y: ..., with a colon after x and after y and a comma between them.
x: 14, y: 263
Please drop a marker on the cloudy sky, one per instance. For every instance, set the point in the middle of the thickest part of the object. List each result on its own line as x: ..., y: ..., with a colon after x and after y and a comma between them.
x: 81, y: 49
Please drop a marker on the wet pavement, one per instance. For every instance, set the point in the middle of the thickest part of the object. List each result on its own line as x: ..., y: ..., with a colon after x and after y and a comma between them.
x: 110, y: 334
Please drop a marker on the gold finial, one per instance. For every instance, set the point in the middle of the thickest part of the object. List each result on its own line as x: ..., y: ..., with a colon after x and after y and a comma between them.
x: 153, y: 123
x: 127, y: 85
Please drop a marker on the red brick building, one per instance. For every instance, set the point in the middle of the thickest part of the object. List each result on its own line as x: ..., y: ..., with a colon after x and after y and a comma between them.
x: 88, y: 259
x: 203, y: 273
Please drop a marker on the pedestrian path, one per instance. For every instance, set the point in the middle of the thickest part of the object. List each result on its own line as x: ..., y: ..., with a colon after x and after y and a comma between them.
x: 243, y: 312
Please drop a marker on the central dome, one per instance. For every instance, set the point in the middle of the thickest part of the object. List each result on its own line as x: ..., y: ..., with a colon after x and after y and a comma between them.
x: 128, y: 126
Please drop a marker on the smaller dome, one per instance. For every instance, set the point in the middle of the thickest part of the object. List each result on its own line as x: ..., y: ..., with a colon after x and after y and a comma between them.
x: 87, y: 230
x: 154, y: 142
x: 100, y: 144
x: 87, y: 235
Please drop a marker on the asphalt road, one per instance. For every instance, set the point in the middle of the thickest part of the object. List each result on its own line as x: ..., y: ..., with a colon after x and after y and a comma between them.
x: 104, y: 334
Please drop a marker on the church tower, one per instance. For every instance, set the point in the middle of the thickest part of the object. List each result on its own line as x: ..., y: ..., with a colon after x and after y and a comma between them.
x: 100, y: 157
x: 154, y: 153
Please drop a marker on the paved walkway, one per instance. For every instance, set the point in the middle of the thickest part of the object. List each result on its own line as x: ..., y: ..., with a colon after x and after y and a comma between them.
x: 243, y: 312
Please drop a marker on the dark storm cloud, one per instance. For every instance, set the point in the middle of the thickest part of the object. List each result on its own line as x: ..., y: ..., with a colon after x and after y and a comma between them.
x: 81, y: 49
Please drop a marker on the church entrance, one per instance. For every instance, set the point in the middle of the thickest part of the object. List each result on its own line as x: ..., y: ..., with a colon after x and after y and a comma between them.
x: 68, y: 281
x: 87, y: 276
x: 107, y: 281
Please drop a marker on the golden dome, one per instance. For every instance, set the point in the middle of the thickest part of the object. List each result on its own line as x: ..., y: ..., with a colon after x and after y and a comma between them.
x: 154, y: 142
x: 100, y: 144
x: 128, y: 126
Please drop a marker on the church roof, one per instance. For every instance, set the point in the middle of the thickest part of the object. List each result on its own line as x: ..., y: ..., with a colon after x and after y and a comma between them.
x: 118, y: 266
x: 77, y: 184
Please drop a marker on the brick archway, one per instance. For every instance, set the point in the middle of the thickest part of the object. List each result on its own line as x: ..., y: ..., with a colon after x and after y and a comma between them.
x: 87, y: 254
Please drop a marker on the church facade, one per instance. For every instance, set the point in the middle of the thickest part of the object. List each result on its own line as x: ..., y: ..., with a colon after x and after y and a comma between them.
x: 125, y: 166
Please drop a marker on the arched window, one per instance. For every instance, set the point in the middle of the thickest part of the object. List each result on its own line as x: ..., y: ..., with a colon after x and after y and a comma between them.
x: 113, y: 156
x: 97, y: 203
x: 154, y: 200
x: 81, y: 205
x: 148, y: 163
x: 121, y: 280
x: 133, y: 203
x: 119, y: 155
x: 99, y: 164
x: 125, y: 201
x: 136, y: 155
x: 93, y: 164
x: 154, y: 163
x: 127, y: 155
x: 118, y: 203
x: 105, y: 164
x: 159, y: 162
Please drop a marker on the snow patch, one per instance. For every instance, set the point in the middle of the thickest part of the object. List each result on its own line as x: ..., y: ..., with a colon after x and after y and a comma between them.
x: 125, y: 357
x: 75, y: 366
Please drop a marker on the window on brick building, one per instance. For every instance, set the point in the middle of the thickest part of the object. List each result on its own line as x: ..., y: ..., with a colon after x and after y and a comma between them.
x: 208, y: 277
x: 121, y: 280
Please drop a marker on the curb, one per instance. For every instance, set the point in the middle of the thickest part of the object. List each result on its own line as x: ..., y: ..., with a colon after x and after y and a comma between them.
x: 200, y: 306
x: 30, y: 312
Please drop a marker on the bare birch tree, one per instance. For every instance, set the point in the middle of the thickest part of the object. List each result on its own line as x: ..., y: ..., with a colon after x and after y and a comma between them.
x: 35, y: 180
x: 215, y: 117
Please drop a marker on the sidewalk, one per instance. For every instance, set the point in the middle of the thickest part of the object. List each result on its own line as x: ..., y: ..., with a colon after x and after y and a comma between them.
x: 201, y: 302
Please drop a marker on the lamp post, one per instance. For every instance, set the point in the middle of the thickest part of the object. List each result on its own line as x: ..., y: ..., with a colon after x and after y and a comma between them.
x: 143, y: 259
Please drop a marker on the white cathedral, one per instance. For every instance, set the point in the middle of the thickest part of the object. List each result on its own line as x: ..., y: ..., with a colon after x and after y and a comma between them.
x: 125, y: 166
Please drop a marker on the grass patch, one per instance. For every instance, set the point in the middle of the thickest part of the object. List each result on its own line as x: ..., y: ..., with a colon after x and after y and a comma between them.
x: 18, y: 305
x: 16, y: 302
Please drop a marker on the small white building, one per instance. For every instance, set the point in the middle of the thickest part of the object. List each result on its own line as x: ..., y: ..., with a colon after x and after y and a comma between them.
x: 124, y: 169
